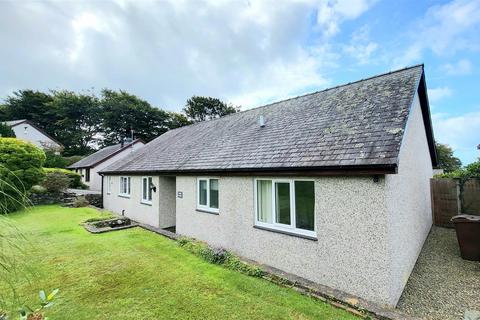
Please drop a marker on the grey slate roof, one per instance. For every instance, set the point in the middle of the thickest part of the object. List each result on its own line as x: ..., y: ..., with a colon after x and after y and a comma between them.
x: 14, y: 122
x: 101, y: 155
x: 360, y: 123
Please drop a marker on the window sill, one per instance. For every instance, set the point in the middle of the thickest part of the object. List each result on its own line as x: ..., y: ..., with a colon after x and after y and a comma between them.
x: 146, y: 203
x: 290, y: 233
x: 124, y: 196
x: 207, y: 211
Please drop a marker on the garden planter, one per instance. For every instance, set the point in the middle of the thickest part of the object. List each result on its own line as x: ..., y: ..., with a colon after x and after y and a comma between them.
x: 468, y: 235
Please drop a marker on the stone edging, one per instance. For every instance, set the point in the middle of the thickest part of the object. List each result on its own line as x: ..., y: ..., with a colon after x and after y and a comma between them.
x: 337, y: 298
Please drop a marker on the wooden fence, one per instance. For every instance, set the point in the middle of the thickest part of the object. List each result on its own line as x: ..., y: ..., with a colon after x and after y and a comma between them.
x: 446, y: 194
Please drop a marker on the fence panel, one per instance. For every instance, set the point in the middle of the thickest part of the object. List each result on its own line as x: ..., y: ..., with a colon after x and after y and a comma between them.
x: 445, y: 202
x: 471, y: 197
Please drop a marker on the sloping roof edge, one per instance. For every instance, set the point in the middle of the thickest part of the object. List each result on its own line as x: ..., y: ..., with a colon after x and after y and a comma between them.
x: 73, y: 166
x: 39, y: 129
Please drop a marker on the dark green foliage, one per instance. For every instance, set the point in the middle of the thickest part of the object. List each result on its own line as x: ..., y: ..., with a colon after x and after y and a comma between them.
x: 446, y: 160
x: 78, y: 120
x: 20, y: 168
x: 178, y: 120
x: 54, y: 160
x: 75, y: 178
x: 6, y: 131
x: 124, y: 112
x: 219, y: 256
x: 206, y: 108
x: 56, y: 182
x: 72, y: 159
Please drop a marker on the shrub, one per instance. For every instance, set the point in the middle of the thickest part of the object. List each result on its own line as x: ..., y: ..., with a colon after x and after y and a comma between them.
x: 75, y: 178
x: 6, y: 131
x: 219, y: 256
x: 20, y: 168
x: 54, y: 160
x: 56, y: 182
x: 38, y: 189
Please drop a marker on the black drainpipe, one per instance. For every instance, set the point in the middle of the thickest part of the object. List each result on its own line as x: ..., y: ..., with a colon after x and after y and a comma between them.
x: 101, y: 189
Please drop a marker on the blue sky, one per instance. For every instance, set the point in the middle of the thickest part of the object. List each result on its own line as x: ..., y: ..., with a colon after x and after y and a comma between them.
x: 247, y: 52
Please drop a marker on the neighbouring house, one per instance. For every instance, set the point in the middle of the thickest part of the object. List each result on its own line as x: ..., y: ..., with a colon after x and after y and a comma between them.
x: 28, y: 131
x: 332, y: 186
x: 89, y: 166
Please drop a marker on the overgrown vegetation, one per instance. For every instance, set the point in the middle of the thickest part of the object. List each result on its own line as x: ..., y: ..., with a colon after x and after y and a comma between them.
x: 20, y: 168
x: 219, y: 256
x: 56, y: 182
x: 74, y: 177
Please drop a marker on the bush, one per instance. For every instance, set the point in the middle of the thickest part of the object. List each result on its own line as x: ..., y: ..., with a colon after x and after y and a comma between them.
x: 219, y: 256
x: 6, y: 131
x: 54, y: 160
x: 75, y: 178
x: 38, y: 189
x: 56, y: 182
x: 20, y: 168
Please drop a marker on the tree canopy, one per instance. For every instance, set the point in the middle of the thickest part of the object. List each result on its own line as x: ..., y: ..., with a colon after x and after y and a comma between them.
x: 446, y: 160
x: 206, y: 108
x: 6, y: 131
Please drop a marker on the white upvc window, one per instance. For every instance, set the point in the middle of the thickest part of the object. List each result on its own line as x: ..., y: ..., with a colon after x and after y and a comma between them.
x: 207, y: 194
x: 124, y: 187
x: 286, y: 205
x: 109, y: 184
x: 147, y: 186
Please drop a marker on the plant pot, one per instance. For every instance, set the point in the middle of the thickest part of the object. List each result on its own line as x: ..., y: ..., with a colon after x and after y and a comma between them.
x: 467, y: 228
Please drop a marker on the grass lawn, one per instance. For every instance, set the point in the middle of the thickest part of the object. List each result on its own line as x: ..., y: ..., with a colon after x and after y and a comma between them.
x: 136, y: 274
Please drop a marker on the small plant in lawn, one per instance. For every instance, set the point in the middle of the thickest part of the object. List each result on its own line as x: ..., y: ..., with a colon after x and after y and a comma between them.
x: 46, y: 301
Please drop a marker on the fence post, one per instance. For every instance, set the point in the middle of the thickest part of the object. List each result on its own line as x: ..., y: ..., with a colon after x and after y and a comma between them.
x: 459, y: 203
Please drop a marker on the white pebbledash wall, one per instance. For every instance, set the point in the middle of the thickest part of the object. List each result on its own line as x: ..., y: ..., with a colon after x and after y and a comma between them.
x: 26, y: 132
x: 160, y: 213
x: 369, y: 234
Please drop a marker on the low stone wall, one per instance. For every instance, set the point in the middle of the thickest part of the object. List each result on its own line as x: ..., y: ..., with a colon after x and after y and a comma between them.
x: 95, y: 200
x: 51, y: 198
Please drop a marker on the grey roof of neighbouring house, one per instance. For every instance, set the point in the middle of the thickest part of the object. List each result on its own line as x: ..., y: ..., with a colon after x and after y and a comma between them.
x: 357, y: 125
x: 102, y: 155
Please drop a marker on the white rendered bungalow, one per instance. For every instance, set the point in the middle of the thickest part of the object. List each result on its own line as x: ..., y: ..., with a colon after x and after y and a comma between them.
x: 331, y: 186
x: 89, y: 166
x: 28, y: 131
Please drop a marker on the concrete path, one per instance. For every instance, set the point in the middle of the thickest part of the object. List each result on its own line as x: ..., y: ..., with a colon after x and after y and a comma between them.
x: 82, y: 192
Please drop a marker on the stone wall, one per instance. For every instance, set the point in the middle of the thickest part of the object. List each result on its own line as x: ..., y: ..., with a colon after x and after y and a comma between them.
x: 51, y: 198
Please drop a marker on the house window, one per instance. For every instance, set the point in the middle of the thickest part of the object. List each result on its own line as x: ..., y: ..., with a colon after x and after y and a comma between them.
x: 109, y: 184
x: 147, y: 184
x: 124, y: 186
x: 87, y: 175
x: 286, y: 205
x: 207, y: 194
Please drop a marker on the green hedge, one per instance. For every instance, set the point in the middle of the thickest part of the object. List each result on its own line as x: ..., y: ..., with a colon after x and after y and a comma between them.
x: 20, y: 168
x: 76, y: 178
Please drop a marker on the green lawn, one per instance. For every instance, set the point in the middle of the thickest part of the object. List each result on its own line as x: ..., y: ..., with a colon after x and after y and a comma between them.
x: 136, y: 274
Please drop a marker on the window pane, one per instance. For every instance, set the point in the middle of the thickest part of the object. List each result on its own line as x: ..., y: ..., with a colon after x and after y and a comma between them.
x: 264, y: 200
x: 305, y: 205
x: 144, y: 188
x: 202, y: 192
x: 282, y: 202
x: 149, y: 186
x: 128, y: 185
x: 214, y: 193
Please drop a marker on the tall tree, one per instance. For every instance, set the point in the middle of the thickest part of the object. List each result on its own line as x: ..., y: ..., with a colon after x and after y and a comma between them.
x: 30, y: 105
x: 446, y: 160
x: 78, y: 120
x: 124, y: 112
x: 177, y: 120
x: 206, y: 108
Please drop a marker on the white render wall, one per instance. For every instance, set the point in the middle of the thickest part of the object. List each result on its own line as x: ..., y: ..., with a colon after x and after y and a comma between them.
x: 409, y: 201
x: 95, y: 182
x: 26, y: 132
x: 351, y: 251
x: 160, y: 213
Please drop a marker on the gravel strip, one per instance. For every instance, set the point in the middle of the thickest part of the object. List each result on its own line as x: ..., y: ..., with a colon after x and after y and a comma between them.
x: 442, y: 285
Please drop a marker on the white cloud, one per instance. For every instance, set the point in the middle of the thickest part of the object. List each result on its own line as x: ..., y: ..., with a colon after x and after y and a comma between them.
x: 437, y: 94
x: 445, y: 29
x: 461, y: 67
x: 360, y: 46
x: 460, y: 132
x: 331, y: 13
x: 244, y: 52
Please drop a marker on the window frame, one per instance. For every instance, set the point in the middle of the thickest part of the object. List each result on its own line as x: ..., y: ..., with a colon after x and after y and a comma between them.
x: 275, y: 226
x: 128, y: 189
x: 207, y: 208
x: 149, y: 191
x: 87, y: 174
